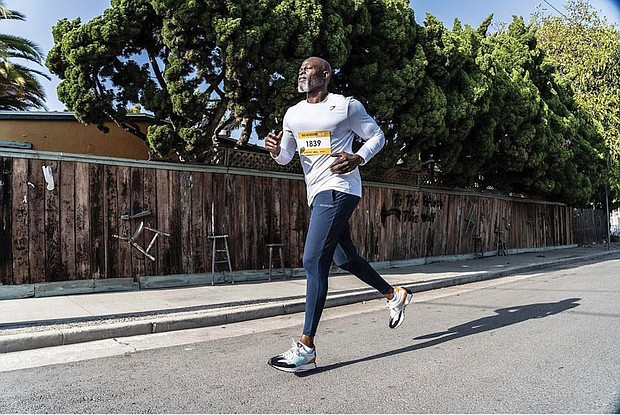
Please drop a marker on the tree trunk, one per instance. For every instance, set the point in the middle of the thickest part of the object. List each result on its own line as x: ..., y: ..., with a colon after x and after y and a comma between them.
x: 246, y: 132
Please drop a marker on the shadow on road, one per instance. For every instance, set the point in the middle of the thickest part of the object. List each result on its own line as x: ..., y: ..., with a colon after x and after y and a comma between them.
x: 503, y: 317
x: 616, y: 406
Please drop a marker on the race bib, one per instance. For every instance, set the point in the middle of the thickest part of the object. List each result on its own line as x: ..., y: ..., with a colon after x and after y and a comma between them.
x: 314, y: 143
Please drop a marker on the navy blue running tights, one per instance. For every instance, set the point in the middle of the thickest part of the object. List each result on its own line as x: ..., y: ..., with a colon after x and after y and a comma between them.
x: 329, y: 238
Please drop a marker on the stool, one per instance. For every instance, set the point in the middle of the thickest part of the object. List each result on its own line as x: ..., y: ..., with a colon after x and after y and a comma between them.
x: 225, y: 254
x: 281, y: 256
x: 500, y: 244
x: 478, y: 252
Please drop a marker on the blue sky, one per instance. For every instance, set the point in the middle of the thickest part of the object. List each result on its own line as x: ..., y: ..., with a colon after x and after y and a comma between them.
x: 41, y: 15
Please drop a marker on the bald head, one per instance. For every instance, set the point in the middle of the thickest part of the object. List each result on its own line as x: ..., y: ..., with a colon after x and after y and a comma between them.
x: 314, y: 74
x: 321, y: 63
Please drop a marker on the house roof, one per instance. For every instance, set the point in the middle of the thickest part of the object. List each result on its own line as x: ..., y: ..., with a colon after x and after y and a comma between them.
x: 60, y: 116
x: 225, y: 140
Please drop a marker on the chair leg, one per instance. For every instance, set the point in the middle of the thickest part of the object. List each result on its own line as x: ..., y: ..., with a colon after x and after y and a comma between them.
x: 282, y: 262
x: 213, y: 264
x: 232, y: 277
x: 270, y: 261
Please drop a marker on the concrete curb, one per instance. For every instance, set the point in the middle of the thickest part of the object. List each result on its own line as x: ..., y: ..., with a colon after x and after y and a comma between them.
x: 59, y: 337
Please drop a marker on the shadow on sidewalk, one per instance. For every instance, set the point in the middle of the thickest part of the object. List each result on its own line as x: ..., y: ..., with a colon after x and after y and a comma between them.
x: 504, y: 317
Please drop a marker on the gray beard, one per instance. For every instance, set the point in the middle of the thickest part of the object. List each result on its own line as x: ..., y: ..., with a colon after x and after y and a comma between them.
x: 307, y: 85
x: 303, y: 86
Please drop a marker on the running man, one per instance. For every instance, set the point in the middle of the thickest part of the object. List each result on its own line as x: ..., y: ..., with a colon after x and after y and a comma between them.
x: 322, y: 129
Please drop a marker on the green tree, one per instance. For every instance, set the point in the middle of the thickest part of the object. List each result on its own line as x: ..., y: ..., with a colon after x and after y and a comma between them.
x: 457, y: 90
x: 19, y: 87
x: 519, y: 136
x: 383, y: 67
x: 201, y: 66
x: 542, y: 143
x: 491, y: 113
x: 585, y: 48
x: 488, y: 109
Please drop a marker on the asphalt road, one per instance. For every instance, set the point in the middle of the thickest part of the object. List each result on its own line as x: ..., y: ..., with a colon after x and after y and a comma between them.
x: 532, y: 343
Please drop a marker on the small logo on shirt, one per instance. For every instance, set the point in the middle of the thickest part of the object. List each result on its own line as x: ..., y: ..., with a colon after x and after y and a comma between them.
x: 331, y: 107
x: 326, y: 205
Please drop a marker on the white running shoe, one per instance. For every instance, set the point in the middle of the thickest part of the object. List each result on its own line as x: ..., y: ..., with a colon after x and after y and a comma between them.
x: 397, y: 305
x: 295, y: 359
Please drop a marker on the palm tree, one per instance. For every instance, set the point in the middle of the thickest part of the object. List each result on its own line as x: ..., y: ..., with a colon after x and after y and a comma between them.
x: 19, y: 86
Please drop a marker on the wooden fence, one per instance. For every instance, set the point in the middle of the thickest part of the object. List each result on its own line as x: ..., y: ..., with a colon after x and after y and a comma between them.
x: 68, y: 233
x: 590, y: 226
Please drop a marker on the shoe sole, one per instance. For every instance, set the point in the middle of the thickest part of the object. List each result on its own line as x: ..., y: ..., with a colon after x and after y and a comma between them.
x: 408, y: 300
x: 303, y: 368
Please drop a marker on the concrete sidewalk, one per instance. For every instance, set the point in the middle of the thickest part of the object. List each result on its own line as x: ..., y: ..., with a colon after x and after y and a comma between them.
x: 31, y: 323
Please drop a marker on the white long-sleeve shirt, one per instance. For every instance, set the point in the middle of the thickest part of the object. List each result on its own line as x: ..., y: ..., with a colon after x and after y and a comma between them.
x: 318, y: 130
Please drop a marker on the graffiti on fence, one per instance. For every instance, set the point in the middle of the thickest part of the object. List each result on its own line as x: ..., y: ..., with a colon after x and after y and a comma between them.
x: 410, y: 208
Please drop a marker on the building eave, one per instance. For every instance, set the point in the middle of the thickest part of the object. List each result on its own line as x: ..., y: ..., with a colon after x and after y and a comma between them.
x: 61, y: 116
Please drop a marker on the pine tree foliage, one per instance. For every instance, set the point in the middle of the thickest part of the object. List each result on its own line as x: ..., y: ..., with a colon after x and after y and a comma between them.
x: 503, y: 110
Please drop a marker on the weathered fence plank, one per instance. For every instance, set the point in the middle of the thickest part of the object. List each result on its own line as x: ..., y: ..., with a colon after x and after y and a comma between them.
x: 68, y: 219
x: 112, y: 228
x: 137, y: 206
x: 185, y: 212
x: 236, y: 206
x: 176, y: 239
x: 283, y: 235
x: 149, y: 203
x: 163, y: 259
x: 52, y: 261
x: 299, y: 209
x: 86, y: 233
x: 93, y: 240
x: 207, y: 212
x: 6, y: 221
x: 198, y: 236
x: 20, y: 220
x: 126, y: 227
x: 36, y: 219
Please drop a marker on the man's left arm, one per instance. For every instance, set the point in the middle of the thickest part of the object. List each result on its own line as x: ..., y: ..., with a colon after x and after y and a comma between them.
x: 367, y: 129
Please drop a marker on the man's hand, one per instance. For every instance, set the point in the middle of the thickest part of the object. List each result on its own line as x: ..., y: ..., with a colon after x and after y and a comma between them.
x: 345, y: 162
x: 272, y: 143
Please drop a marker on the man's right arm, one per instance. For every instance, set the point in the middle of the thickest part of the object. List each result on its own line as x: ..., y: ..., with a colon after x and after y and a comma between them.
x: 272, y: 143
x: 281, y: 146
